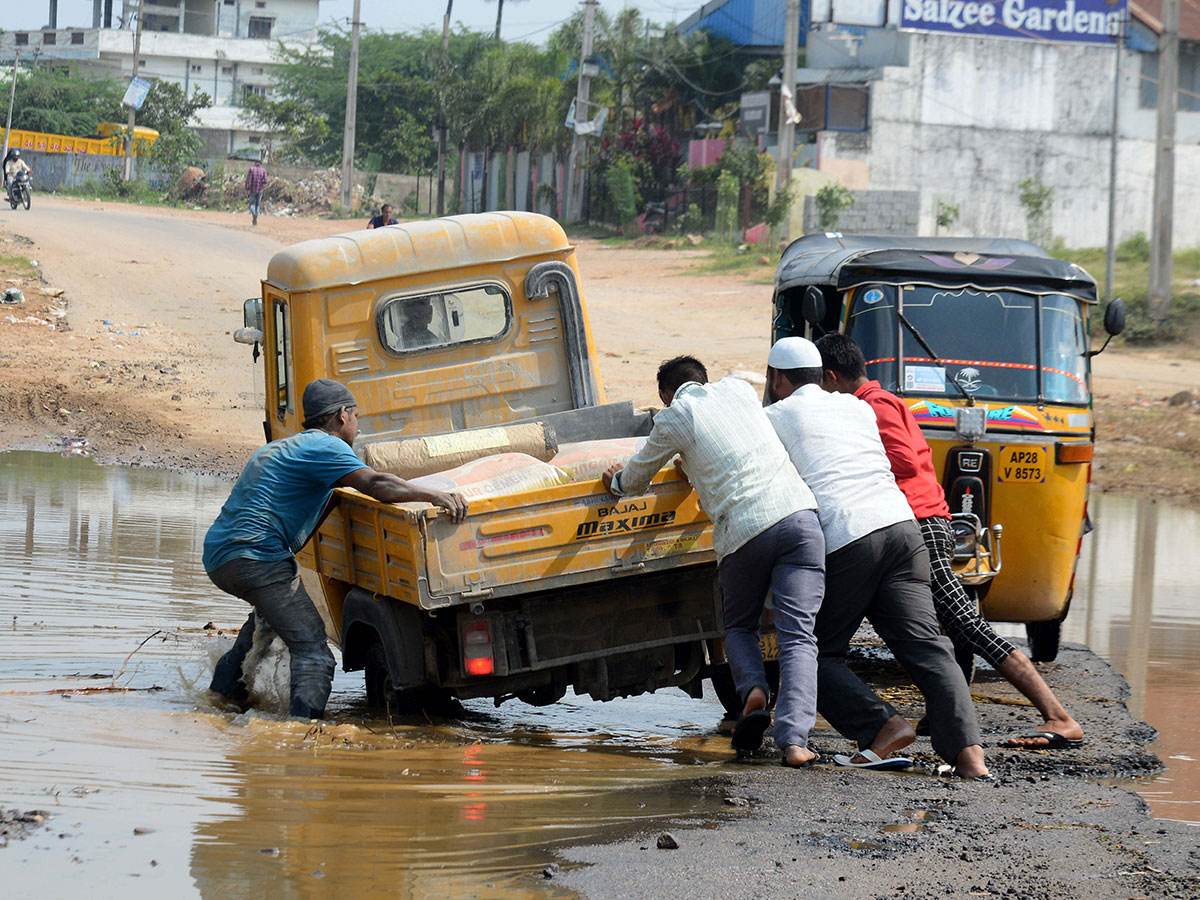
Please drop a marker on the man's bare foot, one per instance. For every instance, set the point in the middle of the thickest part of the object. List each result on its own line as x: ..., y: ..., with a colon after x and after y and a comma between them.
x: 796, y: 757
x: 1067, y: 727
x: 896, y: 734
x: 756, y: 699
x: 969, y: 763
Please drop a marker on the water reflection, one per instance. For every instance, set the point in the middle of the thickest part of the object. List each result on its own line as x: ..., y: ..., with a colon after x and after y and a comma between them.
x: 95, y: 559
x: 1136, y: 604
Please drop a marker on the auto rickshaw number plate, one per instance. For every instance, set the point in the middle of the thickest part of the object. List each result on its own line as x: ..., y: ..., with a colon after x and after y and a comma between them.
x: 768, y: 646
x: 1022, y: 463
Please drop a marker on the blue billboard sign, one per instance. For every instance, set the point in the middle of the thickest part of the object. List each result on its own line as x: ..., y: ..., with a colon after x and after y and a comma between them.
x: 1062, y: 21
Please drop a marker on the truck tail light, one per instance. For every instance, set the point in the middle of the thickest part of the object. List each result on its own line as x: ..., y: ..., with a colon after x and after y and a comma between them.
x: 477, y: 648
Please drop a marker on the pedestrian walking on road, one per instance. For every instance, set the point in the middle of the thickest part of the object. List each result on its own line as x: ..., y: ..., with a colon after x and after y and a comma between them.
x: 876, y: 568
x: 256, y: 183
x: 765, y: 533
x: 276, y: 505
x: 845, y: 371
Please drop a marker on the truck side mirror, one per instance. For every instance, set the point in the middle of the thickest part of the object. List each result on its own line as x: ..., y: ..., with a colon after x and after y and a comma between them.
x: 1114, y: 317
x: 252, y: 314
x: 812, y: 306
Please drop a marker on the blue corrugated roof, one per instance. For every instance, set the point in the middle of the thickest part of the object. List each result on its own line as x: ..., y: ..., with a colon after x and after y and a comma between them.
x: 747, y: 23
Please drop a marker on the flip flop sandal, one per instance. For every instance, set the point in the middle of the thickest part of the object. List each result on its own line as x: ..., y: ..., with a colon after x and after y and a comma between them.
x: 874, y: 761
x: 749, y: 728
x: 1054, y: 741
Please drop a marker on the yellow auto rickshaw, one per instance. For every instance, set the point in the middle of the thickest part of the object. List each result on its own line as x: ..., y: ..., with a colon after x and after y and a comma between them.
x: 988, y: 342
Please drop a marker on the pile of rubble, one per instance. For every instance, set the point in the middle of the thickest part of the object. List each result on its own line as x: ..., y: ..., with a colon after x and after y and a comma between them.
x: 315, y: 195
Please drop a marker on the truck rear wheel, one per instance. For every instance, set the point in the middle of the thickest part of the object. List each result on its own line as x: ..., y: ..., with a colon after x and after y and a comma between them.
x: 1044, y: 638
x: 382, y: 693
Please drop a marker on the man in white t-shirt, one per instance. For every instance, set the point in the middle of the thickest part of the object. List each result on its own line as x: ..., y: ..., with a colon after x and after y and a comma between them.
x: 876, y: 568
x: 765, y: 533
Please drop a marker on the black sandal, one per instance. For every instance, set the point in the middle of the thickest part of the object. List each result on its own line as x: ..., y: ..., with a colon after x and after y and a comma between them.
x: 749, y: 728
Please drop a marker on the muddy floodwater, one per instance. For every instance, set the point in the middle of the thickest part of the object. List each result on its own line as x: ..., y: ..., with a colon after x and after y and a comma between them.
x: 155, y: 794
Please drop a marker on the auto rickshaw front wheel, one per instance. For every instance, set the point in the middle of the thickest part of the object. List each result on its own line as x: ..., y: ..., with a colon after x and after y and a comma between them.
x: 1043, y: 639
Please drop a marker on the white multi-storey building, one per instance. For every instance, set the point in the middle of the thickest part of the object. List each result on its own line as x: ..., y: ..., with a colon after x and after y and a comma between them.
x: 225, y: 48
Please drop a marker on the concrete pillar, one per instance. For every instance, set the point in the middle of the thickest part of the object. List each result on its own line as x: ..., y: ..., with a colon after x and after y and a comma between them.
x: 95, y: 13
x: 53, y: 14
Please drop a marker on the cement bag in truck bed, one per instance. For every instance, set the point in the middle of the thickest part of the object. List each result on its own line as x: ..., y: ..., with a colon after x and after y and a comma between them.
x: 495, y: 476
x: 414, y: 457
x: 587, y: 460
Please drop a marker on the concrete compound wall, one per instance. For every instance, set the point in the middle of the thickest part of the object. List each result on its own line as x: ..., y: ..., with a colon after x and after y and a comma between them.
x: 873, y: 212
x: 52, y: 171
x: 971, y: 118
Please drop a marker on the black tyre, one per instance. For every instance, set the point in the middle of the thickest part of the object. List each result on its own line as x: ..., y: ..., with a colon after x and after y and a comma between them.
x: 1044, y: 638
x: 964, y: 654
x: 25, y: 197
x: 382, y: 693
x: 965, y: 657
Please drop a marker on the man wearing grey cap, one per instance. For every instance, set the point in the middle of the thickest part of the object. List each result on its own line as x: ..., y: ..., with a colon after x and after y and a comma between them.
x: 274, y: 508
x: 876, y: 567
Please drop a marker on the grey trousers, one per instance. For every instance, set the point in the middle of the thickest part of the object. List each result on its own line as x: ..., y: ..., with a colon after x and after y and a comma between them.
x: 278, y: 596
x: 789, y: 560
x: 884, y: 578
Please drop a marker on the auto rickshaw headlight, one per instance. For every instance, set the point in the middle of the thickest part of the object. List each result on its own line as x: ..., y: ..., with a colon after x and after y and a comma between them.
x: 970, y: 423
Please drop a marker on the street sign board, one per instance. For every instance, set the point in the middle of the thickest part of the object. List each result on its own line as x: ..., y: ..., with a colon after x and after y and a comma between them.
x: 755, y: 115
x: 135, y: 94
x: 1060, y: 21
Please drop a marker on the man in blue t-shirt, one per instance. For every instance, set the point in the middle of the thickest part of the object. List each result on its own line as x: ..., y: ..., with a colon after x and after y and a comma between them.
x: 383, y: 219
x: 274, y: 508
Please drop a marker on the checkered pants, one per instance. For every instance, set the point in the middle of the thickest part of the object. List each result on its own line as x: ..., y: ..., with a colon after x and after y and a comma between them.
x: 956, y: 609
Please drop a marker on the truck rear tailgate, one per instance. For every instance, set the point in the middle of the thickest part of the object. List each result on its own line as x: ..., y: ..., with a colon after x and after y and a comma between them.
x: 536, y: 540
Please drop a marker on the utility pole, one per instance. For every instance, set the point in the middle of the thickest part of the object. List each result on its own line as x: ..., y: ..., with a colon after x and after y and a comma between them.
x: 441, y: 161
x: 1159, y: 299
x: 787, y: 104
x: 12, y: 97
x: 1111, y: 250
x: 137, y: 62
x: 351, y: 113
x: 578, y: 157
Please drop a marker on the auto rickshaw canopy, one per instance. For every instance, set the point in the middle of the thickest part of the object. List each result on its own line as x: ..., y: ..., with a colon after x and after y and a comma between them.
x: 846, y: 260
x: 415, y: 247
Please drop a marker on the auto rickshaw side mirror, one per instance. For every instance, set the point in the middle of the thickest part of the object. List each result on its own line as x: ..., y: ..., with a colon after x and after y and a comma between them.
x: 1114, y: 317
x: 812, y: 306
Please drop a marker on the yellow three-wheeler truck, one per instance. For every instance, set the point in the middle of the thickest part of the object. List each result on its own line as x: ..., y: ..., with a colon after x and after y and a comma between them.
x: 988, y: 342
x: 445, y: 330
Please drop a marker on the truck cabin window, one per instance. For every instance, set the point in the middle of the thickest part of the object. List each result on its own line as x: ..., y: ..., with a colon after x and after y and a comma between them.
x: 1000, y: 344
x: 412, y: 324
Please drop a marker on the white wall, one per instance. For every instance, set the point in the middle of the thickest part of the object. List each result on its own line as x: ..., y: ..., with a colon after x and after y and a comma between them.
x: 970, y: 118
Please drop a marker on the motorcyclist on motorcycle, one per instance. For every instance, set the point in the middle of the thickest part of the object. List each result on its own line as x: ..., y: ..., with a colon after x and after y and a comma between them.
x: 13, y: 165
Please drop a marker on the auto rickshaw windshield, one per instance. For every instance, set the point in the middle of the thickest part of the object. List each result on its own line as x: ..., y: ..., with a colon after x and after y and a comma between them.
x: 987, y: 341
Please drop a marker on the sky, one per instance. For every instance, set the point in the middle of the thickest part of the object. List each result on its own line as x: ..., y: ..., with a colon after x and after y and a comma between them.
x: 528, y: 20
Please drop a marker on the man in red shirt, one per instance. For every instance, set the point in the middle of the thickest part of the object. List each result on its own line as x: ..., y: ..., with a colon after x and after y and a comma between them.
x: 912, y: 465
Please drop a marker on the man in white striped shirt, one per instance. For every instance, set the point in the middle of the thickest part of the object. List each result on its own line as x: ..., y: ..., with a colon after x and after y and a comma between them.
x: 765, y: 532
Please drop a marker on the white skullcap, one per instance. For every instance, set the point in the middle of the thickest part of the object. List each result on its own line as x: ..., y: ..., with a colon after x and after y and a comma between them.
x: 794, y: 353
